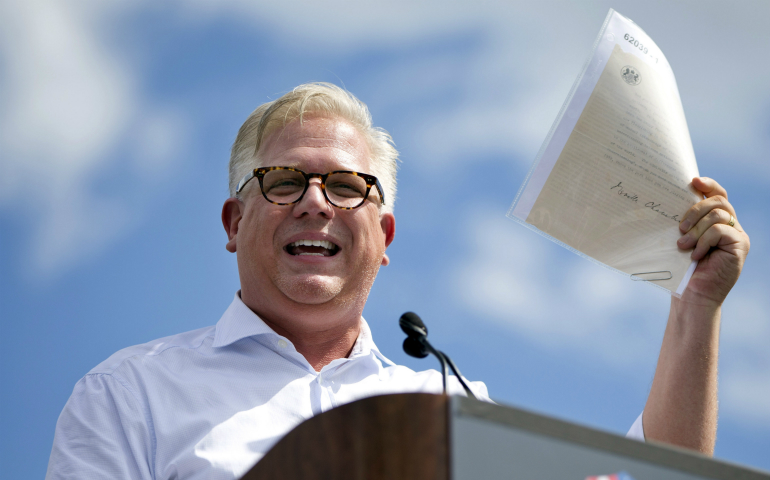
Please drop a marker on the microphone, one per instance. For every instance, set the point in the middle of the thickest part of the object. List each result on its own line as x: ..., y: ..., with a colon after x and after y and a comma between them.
x: 416, y: 345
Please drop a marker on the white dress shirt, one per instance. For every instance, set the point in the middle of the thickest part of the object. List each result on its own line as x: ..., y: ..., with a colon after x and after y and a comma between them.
x: 211, y: 402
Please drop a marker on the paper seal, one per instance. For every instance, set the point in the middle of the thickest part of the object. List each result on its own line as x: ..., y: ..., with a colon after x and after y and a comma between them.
x: 630, y: 75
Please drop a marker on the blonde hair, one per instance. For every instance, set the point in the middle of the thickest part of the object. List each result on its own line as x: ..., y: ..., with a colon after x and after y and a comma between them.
x: 315, y: 98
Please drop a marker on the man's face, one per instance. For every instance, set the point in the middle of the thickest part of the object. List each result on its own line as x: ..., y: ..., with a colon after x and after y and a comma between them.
x: 274, y: 267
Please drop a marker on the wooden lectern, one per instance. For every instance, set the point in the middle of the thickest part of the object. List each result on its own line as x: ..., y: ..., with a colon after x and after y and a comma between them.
x: 422, y: 436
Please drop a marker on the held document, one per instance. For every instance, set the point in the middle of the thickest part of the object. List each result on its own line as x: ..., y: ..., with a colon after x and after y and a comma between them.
x: 613, y: 178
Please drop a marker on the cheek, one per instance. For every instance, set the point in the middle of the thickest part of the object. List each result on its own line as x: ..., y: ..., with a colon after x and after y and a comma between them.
x: 377, y: 238
x: 262, y: 227
x: 374, y: 242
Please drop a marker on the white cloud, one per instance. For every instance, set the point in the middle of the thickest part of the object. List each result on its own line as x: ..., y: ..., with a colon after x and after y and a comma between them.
x: 744, y: 396
x: 65, y: 99
x: 159, y: 135
x: 346, y: 26
x: 76, y: 227
x: 745, y: 358
x: 512, y: 278
x: 68, y: 101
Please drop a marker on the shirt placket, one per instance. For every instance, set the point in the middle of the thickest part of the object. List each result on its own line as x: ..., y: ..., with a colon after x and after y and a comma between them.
x: 329, y: 378
x: 326, y: 397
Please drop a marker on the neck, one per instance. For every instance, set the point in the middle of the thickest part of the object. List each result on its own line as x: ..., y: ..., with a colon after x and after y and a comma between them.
x: 321, y: 333
x: 321, y: 347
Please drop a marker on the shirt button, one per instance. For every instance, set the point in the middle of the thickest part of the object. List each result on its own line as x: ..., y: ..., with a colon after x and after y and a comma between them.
x: 282, y: 343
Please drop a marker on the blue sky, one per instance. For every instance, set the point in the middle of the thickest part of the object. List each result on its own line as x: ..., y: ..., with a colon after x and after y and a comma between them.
x: 116, y: 120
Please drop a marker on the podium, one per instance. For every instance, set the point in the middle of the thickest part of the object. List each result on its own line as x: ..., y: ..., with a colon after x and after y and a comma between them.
x: 423, y: 436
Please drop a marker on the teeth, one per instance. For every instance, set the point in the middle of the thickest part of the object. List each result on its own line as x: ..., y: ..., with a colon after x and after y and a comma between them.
x: 313, y: 243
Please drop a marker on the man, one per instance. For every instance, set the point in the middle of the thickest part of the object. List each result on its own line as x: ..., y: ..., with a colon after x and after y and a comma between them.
x: 310, y: 217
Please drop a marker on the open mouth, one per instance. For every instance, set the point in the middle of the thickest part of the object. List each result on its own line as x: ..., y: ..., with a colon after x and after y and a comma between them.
x: 318, y: 248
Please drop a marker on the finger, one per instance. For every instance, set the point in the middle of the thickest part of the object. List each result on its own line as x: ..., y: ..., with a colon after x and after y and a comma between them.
x: 713, y: 217
x: 717, y: 235
x: 702, y: 208
x: 708, y: 187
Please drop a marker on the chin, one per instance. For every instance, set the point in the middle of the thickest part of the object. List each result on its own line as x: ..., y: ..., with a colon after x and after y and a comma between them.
x: 311, y: 289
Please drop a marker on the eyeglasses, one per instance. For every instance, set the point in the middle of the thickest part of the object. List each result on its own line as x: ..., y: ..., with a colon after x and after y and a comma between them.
x: 286, y: 186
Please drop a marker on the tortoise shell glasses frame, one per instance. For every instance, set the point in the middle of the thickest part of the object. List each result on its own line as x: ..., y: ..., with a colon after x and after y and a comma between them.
x: 287, y: 186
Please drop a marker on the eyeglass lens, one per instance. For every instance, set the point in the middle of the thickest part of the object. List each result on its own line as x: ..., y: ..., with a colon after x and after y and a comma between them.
x: 286, y: 186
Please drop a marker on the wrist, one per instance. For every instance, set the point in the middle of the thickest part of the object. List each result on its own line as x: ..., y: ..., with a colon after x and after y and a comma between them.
x: 692, y: 298
x: 695, y: 316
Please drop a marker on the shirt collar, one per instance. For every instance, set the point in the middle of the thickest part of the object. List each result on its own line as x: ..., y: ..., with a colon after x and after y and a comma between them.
x: 365, y: 346
x: 239, y: 322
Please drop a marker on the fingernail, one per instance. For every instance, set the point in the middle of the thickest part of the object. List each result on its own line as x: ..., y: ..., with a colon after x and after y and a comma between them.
x: 683, y: 240
x: 685, y: 225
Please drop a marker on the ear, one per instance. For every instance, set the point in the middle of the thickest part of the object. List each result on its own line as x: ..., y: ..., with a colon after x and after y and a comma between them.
x: 388, y: 225
x: 232, y: 212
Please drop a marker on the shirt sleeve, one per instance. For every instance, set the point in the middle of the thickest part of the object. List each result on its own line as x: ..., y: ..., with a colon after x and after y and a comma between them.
x: 479, y: 389
x: 636, y: 431
x: 103, y: 432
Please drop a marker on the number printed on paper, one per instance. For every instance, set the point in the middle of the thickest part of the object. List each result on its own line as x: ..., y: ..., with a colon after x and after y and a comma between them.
x: 636, y: 43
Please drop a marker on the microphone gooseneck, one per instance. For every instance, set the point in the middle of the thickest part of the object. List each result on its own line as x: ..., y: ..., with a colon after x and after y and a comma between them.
x: 416, y: 345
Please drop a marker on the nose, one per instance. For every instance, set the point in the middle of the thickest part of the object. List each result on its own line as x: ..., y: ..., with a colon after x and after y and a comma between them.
x: 313, y: 202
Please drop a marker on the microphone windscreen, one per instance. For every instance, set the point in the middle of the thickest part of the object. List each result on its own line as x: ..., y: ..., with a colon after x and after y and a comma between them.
x: 412, y: 325
x: 414, y: 348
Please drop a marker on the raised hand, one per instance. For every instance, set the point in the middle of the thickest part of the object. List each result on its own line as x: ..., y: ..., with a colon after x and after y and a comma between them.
x: 721, y: 244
